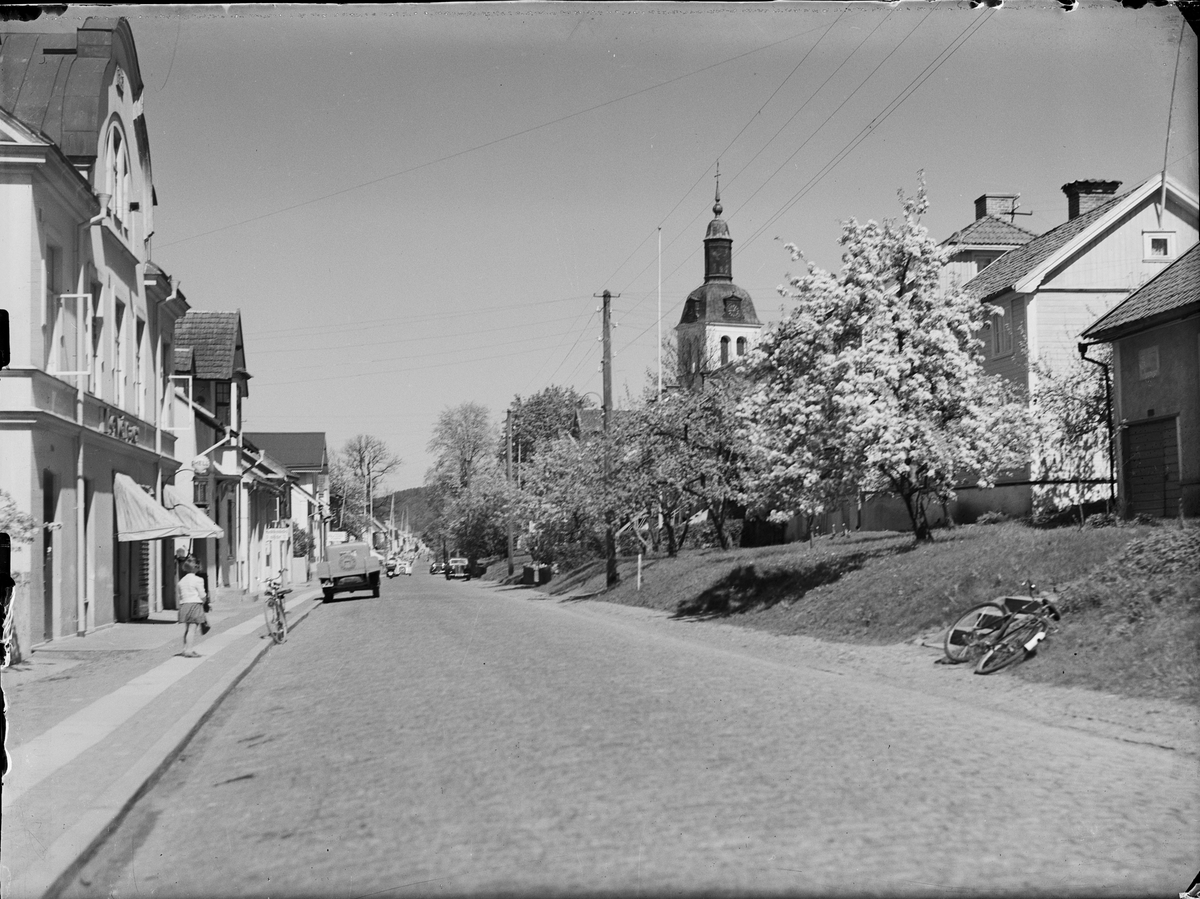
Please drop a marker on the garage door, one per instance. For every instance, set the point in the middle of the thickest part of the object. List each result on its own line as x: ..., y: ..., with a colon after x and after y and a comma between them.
x: 1152, y: 468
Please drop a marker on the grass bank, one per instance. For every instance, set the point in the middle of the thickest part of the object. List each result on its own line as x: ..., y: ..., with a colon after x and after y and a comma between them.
x: 1130, y: 595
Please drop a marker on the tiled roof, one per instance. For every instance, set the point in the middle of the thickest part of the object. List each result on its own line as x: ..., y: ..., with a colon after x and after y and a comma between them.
x: 990, y: 231
x: 1015, y: 264
x: 1169, y: 293
x: 214, y: 338
x: 298, y: 450
x: 185, y: 360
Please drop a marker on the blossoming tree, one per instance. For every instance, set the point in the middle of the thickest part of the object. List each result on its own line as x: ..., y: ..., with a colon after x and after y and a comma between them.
x: 874, y: 382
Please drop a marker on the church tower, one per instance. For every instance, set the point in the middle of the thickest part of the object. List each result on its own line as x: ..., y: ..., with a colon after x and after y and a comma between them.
x: 719, y: 323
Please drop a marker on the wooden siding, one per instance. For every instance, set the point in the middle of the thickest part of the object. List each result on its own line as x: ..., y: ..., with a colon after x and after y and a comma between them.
x: 1015, y: 366
x: 1063, y: 316
x: 1115, y: 260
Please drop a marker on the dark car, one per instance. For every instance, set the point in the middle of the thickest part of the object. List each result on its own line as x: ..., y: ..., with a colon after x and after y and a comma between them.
x: 437, y: 567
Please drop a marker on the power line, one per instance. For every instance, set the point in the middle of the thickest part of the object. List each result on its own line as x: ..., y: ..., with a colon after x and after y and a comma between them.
x: 879, y: 119
x: 440, y: 316
x: 477, y: 147
x: 689, y: 191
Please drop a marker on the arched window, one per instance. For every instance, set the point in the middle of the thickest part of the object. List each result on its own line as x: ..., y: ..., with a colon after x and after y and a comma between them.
x: 741, y: 346
x: 724, y: 350
x: 117, y: 179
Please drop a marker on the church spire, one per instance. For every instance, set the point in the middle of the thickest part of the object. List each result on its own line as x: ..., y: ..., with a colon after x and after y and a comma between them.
x: 717, y: 210
x: 718, y: 245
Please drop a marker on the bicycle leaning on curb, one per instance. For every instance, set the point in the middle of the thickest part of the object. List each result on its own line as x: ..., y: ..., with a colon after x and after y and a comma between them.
x: 273, y: 611
x: 1001, y: 632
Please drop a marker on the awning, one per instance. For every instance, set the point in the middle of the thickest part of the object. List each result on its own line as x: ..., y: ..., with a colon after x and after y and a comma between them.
x: 139, y: 517
x: 197, y: 523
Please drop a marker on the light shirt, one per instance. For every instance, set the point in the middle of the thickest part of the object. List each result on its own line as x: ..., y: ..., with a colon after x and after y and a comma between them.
x: 191, y: 588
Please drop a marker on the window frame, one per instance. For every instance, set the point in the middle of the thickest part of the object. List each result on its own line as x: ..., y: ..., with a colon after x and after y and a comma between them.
x: 1001, y: 344
x: 1148, y: 238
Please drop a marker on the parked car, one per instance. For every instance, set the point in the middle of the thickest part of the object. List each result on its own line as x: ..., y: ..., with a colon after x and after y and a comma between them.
x: 406, y: 566
x: 458, y: 568
x: 436, y: 567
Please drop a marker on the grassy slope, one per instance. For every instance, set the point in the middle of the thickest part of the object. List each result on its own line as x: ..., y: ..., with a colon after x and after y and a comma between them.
x: 1131, y: 595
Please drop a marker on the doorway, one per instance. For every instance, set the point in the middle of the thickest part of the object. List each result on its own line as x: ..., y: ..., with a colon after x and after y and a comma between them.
x: 1152, y: 468
x: 49, y: 518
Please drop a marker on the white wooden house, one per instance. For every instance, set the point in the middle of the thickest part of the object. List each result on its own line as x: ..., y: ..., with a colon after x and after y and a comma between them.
x: 1049, y: 290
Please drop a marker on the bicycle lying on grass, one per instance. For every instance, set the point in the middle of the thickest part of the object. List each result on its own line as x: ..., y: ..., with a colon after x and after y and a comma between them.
x: 273, y: 611
x: 1002, y: 632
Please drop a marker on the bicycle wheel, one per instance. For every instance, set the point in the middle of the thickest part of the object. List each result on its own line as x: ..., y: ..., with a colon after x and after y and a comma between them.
x: 968, y: 637
x: 269, y: 617
x: 280, y: 632
x: 1008, y: 651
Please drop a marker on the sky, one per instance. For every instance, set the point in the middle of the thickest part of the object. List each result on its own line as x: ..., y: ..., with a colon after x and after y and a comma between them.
x: 416, y: 206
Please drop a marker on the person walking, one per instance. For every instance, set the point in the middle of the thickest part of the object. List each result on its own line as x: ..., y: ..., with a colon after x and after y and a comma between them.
x: 192, y: 597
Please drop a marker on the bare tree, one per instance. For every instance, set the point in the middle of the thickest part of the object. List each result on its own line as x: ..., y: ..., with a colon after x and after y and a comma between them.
x: 368, y: 460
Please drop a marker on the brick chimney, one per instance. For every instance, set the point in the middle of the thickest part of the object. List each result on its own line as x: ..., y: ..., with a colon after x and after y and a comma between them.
x: 994, y: 204
x: 1084, y: 196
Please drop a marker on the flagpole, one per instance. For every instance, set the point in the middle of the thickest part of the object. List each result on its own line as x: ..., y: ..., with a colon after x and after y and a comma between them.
x: 660, y: 312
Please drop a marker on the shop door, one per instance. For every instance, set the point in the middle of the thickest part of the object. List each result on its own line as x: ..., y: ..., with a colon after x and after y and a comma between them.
x: 1152, y: 468
x: 121, y: 586
x: 49, y: 514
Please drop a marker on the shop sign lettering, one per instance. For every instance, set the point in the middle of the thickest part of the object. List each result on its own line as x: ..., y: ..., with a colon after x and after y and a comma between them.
x: 117, y: 426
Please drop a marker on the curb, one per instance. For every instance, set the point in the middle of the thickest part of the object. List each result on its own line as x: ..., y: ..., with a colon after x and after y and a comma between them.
x: 68, y: 854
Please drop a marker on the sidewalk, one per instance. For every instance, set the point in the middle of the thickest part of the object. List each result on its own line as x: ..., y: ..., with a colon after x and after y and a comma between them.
x: 92, y: 722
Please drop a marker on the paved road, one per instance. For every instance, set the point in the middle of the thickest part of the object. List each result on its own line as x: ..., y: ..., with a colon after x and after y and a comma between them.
x: 454, y: 739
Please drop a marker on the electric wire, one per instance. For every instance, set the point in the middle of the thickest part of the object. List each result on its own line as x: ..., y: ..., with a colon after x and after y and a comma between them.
x: 477, y: 147
x: 696, y: 183
x: 764, y: 183
x: 870, y: 127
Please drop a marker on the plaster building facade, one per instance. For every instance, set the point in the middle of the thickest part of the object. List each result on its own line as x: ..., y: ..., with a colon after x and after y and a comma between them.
x: 92, y: 318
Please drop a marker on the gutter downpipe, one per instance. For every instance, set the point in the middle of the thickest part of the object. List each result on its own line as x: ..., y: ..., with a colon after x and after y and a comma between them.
x: 1108, y: 408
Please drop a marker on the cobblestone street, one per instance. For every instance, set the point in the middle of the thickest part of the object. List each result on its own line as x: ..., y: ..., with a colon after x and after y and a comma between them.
x: 456, y: 739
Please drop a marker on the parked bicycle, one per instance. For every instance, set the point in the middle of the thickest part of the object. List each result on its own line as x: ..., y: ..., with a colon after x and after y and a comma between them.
x: 1002, y: 632
x: 273, y: 611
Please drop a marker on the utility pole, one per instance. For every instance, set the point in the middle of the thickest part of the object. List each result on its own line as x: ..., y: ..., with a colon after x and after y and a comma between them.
x: 610, y: 537
x: 508, y: 473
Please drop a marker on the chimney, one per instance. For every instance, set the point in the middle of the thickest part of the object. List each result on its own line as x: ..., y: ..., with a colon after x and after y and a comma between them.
x: 994, y: 204
x: 1084, y: 196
